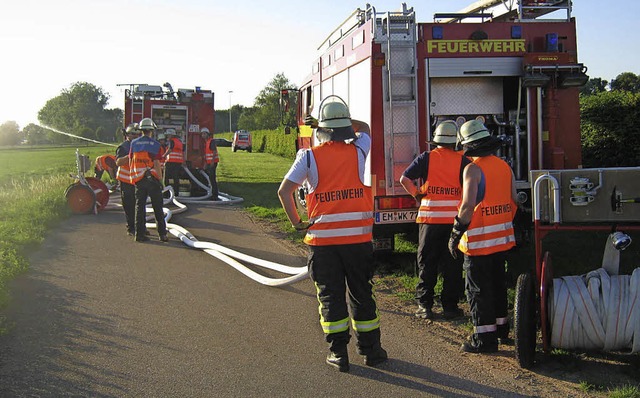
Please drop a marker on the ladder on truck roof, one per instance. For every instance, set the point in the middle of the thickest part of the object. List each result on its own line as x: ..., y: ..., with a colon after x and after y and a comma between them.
x: 505, y: 10
x: 396, y: 32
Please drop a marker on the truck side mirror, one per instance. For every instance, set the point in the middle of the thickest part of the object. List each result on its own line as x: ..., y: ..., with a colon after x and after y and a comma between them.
x: 285, y: 102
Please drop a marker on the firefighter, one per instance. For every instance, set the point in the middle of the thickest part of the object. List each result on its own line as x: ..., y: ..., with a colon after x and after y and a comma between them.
x: 339, y: 231
x: 483, y: 231
x: 211, y: 158
x: 123, y: 175
x: 173, y: 161
x: 439, y: 196
x: 144, y: 158
x: 105, y: 163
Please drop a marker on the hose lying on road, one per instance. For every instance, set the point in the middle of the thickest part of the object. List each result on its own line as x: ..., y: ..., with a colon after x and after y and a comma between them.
x: 225, y: 254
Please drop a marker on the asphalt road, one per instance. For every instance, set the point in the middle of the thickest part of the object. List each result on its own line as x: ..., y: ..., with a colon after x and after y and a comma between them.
x: 98, y: 315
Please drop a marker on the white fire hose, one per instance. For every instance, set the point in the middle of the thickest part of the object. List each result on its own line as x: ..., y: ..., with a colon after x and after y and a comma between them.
x: 225, y: 254
x: 597, y: 311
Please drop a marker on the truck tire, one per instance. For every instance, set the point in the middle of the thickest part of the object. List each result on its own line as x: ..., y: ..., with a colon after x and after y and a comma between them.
x: 524, y: 324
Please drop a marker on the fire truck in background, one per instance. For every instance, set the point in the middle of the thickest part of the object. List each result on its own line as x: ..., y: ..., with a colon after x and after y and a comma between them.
x: 186, y: 111
x: 507, y: 67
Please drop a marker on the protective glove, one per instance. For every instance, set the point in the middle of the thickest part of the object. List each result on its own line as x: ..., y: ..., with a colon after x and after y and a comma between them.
x: 302, y: 226
x: 418, y: 197
x: 456, y: 234
x: 311, y: 121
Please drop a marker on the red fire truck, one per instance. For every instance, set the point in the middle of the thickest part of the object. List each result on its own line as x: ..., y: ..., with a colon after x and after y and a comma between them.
x: 516, y: 72
x: 186, y: 111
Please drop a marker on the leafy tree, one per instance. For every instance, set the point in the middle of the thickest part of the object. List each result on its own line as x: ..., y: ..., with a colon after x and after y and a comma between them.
x: 626, y: 81
x: 267, y: 103
x: 35, y: 135
x: 247, y: 121
x: 594, y: 86
x: 10, y: 133
x: 81, y: 110
x: 610, y: 129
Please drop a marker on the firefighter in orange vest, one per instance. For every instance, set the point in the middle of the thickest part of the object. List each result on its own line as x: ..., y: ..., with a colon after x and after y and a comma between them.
x: 339, y: 231
x: 144, y: 158
x: 440, y: 173
x: 211, y: 158
x: 105, y: 163
x: 123, y: 175
x: 173, y: 161
x: 483, y: 231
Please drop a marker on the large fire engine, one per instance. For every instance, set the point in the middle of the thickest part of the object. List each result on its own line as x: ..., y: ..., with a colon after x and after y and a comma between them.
x: 186, y: 111
x: 512, y: 70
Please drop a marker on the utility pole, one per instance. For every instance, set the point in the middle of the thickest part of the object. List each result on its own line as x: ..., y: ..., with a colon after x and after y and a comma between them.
x: 230, y: 92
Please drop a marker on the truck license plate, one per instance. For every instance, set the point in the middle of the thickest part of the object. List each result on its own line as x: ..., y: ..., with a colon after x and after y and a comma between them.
x: 392, y: 217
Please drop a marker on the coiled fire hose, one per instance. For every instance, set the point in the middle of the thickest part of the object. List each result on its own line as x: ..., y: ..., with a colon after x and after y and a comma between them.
x: 597, y: 311
x: 224, y: 254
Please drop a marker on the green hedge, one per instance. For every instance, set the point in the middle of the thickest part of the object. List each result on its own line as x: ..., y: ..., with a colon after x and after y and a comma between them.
x: 275, y: 142
x: 610, y: 129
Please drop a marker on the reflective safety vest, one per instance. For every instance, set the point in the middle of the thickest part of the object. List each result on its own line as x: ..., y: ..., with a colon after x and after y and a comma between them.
x: 210, y: 155
x: 442, y: 189
x: 140, y: 161
x: 176, y: 155
x: 163, y: 149
x: 106, y: 162
x: 341, y: 207
x: 124, y: 172
x: 491, y: 227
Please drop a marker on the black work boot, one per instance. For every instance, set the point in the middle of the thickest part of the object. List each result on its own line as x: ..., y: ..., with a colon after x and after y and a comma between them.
x: 339, y: 360
x: 424, y: 311
x: 452, y: 312
x: 486, y: 343
x: 376, y: 356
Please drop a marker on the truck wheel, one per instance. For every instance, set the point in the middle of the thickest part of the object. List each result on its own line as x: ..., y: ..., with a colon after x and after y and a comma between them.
x: 524, y: 314
x: 80, y: 199
x: 299, y: 199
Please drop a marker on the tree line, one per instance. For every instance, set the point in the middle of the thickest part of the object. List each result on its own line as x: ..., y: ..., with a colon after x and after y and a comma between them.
x: 81, y: 110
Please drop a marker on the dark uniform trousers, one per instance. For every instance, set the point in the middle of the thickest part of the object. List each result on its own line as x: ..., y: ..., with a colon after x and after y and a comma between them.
x: 487, y: 293
x: 210, y: 169
x: 128, y: 196
x: 172, y: 173
x: 434, y: 256
x: 150, y: 187
x: 337, y: 270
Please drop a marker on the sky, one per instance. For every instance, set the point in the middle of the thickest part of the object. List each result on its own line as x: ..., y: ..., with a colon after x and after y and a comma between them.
x: 221, y: 45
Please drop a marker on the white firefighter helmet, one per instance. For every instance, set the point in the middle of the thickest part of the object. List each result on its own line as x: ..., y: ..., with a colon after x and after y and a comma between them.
x: 472, y: 131
x: 147, y: 124
x: 205, y: 131
x: 334, y: 113
x: 131, y: 129
x: 161, y: 137
x: 170, y: 132
x: 446, y: 133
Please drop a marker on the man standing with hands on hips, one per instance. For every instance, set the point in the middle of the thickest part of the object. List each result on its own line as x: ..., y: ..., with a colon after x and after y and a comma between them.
x: 339, y: 231
x: 483, y: 231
